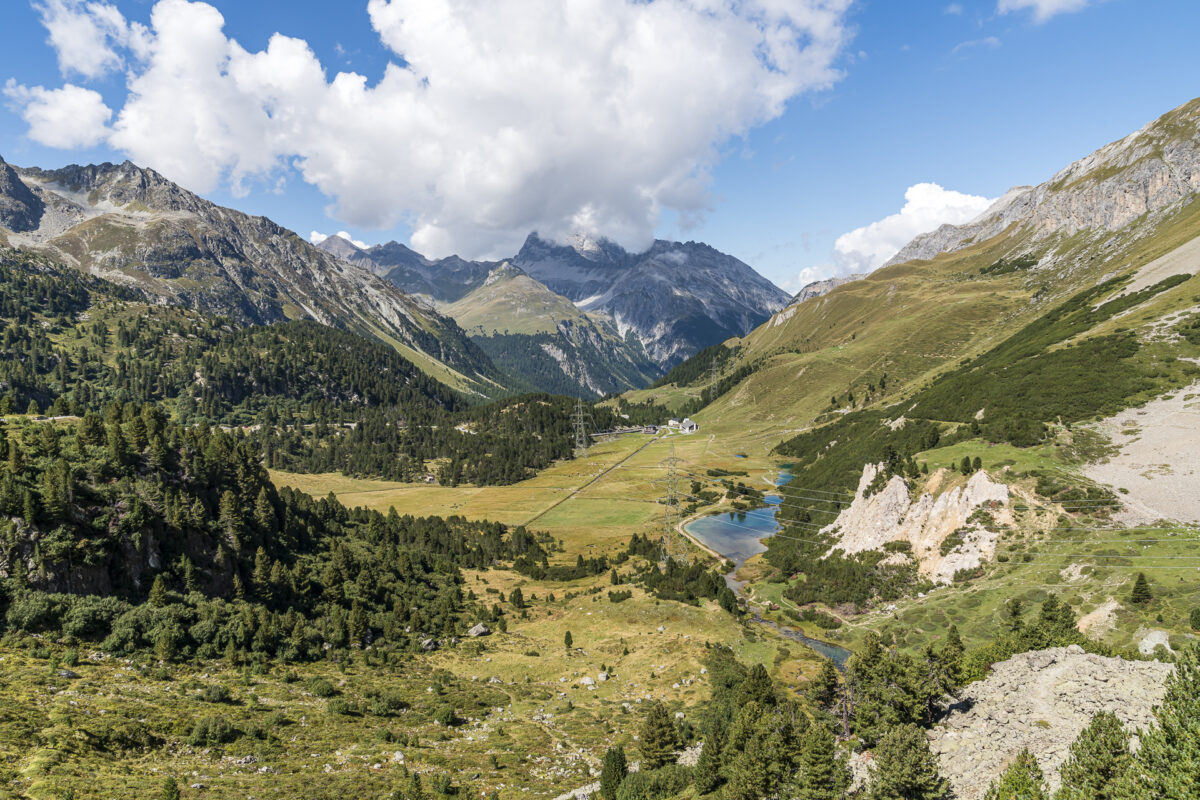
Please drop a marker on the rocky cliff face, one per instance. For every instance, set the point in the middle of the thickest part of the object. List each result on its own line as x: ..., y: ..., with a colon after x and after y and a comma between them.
x: 945, y: 531
x: 20, y: 209
x: 443, y: 279
x: 676, y: 298
x: 820, y: 288
x: 1040, y: 700
x: 133, y: 226
x: 1147, y: 174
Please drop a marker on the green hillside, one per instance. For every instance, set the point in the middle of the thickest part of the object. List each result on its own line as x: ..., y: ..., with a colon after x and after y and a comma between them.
x: 544, y: 341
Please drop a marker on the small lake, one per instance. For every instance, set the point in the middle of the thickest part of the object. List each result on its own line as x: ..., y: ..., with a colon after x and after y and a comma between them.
x: 738, y: 535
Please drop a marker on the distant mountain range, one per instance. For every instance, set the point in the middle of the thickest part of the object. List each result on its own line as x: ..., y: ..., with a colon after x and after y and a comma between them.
x: 587, y: 316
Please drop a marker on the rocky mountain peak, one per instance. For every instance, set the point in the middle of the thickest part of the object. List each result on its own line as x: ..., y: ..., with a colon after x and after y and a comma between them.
x: 118, y: 186
x: 580, y: 249
x: 20, y: 209
x: 1147, y: 174
x: 340, y: 246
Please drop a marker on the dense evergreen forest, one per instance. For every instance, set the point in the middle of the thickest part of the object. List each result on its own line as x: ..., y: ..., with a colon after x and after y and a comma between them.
x: 310, y: 398
x: 135, y: 532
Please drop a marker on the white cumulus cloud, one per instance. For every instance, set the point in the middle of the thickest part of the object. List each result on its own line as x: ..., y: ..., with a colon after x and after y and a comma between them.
x: 926, y: 207
x: 1042, y: 9
x: 85, y: 35
x: 495, y: 118
x: 67, y: 118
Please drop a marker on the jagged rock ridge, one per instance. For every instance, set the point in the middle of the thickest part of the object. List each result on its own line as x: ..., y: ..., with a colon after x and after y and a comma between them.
x: 1148, y: 173
x: 675, y: 298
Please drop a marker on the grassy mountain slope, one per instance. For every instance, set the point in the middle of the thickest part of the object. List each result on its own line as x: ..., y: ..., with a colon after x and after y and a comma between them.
x: 541, y: 337
x: 136, y: 228
x: 1008, y: 342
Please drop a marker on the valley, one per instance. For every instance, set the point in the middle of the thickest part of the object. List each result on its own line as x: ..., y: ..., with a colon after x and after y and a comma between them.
x: 288, y: 518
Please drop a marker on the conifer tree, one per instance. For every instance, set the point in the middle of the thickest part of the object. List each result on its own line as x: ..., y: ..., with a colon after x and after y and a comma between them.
x: 1022, y: 780
x: 613, y: 772
x: 1141, y: 591
x: 707, y: 777
x: 748, y: 773
x: 1098, y: 761
x: 158, y: 592
x: 904, y: 768
x: 1164, y: 767
x: 758, y: 687
x: 823, y: 772
x: 823, y: 690
x: 656, y: 737
x: 264, y: 513
x: 357, y: 625
x: 568, y: 640
x: 169, y: 790
x: 261, y: 576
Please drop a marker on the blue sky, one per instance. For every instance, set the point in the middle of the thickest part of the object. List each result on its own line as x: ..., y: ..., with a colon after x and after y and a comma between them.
x: 770, y: 163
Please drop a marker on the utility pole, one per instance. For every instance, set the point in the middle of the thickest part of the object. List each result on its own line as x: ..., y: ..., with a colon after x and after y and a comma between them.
x: 673, y: 545
x: 582, y: 421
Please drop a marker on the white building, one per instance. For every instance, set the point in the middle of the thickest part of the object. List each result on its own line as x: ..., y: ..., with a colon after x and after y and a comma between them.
x: 687, y: 426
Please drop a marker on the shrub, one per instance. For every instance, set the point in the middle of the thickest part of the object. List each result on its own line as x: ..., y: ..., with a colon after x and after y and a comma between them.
x: 655, y: 784
x: 343, y: 706
x: 387, y: 703
x: 215, y: 693
x: 321, y: 687
x: 209, y: 731
x: 445, y: 715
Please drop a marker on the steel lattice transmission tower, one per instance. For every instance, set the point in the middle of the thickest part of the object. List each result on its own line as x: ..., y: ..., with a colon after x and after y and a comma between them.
x: 582, y: 420
x: 714, y: 376
x: 673, y: 544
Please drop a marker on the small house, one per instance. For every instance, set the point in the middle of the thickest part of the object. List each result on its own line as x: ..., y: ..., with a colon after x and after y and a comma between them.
x: 687, y: 426
x: 672, y: 423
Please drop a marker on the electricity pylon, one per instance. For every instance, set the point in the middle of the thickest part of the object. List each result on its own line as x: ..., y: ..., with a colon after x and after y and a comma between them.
x: 673, y: 545
x: 582, y: 421
x: 714, y: 375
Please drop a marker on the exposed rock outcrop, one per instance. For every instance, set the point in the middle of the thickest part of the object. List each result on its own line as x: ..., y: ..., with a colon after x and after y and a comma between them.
x: 945, y: 532
x: 1040, y: 700
x: 20, y: 208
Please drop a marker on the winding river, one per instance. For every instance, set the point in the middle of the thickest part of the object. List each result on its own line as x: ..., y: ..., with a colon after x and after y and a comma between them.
x: 738, y: 536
